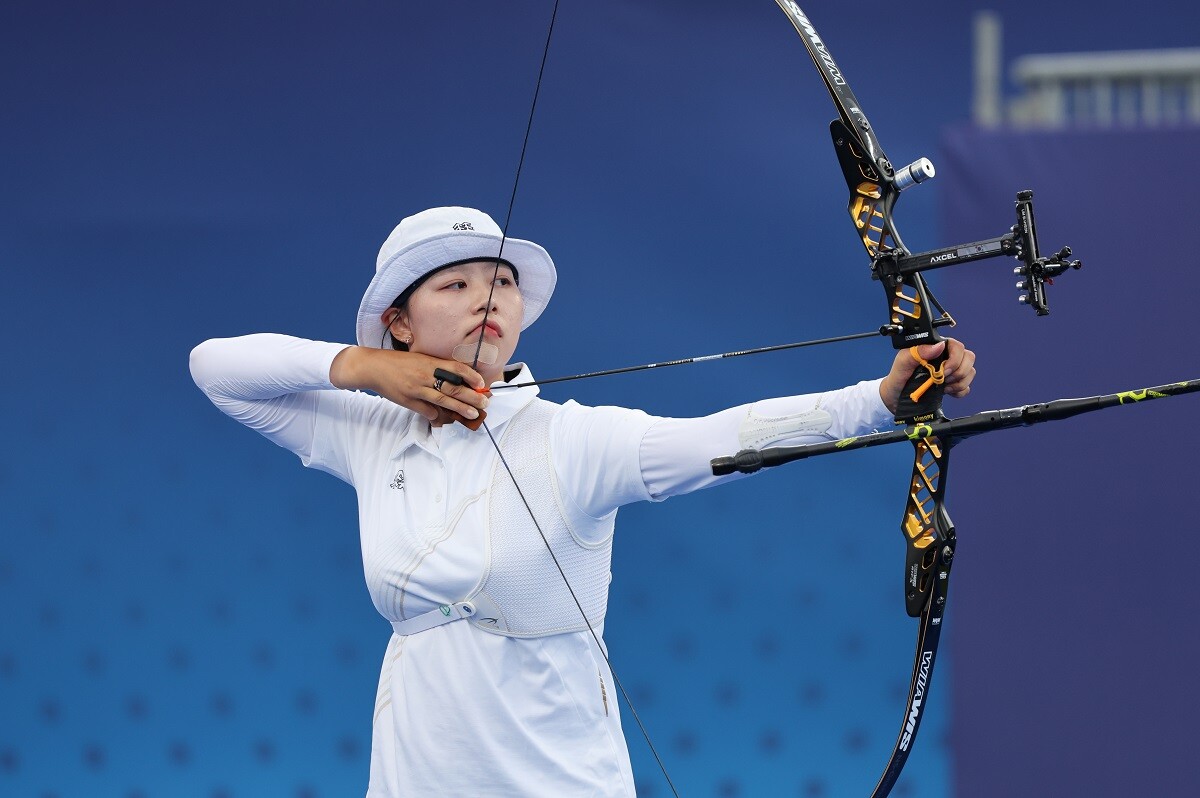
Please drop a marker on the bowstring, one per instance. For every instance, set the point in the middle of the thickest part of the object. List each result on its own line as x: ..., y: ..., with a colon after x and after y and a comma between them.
x: 475, y: 365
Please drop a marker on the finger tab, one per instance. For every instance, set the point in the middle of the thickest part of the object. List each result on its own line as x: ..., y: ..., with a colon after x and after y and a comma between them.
x: 471, y: 423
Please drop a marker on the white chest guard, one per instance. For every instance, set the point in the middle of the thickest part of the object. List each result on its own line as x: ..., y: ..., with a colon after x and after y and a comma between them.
x: 522, y: 593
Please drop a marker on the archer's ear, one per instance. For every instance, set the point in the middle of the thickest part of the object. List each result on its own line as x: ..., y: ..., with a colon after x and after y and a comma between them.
x: 396, y: 320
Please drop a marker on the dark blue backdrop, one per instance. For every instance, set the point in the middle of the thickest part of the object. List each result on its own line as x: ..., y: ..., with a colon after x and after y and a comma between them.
x: 184, y: 610
x: 1076, y: 586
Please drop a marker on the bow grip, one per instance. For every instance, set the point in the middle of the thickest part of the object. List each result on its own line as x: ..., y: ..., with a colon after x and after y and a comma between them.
x: 921, y: 397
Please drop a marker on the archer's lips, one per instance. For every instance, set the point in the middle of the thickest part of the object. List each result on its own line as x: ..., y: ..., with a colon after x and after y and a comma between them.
x: 493, y: 329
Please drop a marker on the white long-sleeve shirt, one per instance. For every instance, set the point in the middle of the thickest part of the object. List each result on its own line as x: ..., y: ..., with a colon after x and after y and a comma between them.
x: 460, y: 711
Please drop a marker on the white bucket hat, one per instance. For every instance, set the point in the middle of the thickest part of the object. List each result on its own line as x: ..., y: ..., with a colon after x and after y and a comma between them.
x: 437, y: 237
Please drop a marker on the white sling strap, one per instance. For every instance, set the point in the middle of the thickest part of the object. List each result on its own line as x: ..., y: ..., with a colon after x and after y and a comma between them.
x: 428, y: 620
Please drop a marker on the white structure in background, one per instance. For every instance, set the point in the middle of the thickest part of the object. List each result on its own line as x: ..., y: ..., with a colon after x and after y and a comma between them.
x: 1144, y: 88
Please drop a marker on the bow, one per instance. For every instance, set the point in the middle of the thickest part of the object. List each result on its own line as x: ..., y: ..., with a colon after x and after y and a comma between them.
x: 930, y: 536
x: 874, y: 186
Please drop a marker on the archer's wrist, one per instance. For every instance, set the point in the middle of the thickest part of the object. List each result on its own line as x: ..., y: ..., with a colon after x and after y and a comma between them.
x: 351, y: 368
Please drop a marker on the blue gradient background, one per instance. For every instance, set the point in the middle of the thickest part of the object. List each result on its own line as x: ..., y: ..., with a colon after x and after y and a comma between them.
x: 184, y: 612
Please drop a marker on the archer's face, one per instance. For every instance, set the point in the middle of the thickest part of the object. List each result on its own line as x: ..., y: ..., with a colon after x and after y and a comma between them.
x: 448, y: 309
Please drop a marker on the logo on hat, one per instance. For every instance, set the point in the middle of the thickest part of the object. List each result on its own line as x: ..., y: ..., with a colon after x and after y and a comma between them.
x: 463, y: 226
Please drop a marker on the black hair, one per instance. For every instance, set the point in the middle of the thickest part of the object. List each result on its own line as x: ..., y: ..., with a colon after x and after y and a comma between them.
x: 399, y: 302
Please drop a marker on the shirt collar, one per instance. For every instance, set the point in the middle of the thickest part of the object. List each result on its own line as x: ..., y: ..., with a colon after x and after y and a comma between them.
x: 504, y: 404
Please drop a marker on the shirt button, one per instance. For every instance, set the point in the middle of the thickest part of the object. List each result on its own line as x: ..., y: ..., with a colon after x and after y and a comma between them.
x: 437, y: 498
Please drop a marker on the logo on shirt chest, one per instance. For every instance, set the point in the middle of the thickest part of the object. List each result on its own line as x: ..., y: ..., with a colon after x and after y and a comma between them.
x: 398, y: 481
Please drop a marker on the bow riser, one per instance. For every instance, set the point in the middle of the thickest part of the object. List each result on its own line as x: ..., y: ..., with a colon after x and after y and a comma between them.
x: 872, y: 194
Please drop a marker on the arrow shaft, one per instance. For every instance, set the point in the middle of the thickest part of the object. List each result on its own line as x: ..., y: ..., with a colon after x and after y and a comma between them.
x: 699, y: 359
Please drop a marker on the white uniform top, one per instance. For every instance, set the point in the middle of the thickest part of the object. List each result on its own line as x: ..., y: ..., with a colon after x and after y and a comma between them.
x: 461, y: 711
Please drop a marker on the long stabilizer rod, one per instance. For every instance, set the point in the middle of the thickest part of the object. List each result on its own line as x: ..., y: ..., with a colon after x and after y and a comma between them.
x: 748, y: 461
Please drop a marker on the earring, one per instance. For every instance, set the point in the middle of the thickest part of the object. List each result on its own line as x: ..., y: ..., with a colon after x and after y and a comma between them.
x: 406, y: 340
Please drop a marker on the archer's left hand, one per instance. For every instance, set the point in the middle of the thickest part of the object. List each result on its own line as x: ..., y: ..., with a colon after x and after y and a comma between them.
x: 959, y: 371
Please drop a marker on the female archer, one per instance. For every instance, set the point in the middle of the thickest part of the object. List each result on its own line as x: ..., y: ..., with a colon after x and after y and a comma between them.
x: 494, y: 682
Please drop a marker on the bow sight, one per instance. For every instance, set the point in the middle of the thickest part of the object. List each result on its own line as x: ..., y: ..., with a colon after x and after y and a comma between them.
x: 874, y: 188
x: 892, y: 265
